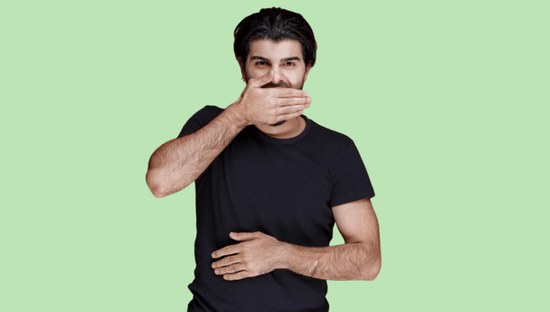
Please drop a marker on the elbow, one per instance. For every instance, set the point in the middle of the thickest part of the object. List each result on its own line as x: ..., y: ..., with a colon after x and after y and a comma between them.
x: 372, y: 273
x: 160, y: 187
x: 371, y: 269
x: 155, y: 185
x: 157, y: 190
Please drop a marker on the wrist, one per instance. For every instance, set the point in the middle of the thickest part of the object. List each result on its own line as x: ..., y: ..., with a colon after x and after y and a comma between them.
x: 284, y: 252
x: 235, y: 113
x: 236, y: 116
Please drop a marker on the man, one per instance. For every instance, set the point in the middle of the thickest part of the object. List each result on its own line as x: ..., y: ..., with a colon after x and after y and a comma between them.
x: 270, y: 183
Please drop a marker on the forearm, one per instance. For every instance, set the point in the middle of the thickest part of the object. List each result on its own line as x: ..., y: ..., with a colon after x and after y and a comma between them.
x: 179, y: 162
x: 351, y: 261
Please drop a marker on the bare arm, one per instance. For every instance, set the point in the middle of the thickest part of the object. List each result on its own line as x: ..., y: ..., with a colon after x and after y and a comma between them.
x: 177, y: 163
x: 358, y: 259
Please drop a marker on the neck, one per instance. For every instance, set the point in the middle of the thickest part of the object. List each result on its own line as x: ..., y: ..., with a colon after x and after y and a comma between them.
x: 290, y: 129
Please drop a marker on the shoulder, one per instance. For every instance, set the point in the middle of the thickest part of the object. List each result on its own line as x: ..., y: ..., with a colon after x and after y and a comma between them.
x: 208, y: 112
x: 338, y: 148
x: 331, y: 139
x: 200, y: 119
x: 346, y: 170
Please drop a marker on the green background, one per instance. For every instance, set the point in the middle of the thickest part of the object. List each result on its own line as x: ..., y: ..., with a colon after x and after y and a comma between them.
x: 446, y: 100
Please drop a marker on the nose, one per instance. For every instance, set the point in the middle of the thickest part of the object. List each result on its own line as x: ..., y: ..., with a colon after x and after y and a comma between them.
x: 277, y: 75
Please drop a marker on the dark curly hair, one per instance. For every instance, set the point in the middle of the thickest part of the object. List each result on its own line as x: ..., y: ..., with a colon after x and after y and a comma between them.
x: 276, y: 24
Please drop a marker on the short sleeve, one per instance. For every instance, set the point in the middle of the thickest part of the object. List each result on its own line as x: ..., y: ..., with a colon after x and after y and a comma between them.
x: 350, y: 180
x: 200, y: 119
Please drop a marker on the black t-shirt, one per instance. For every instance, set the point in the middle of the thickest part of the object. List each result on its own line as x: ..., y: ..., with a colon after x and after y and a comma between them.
x: 285, y: 188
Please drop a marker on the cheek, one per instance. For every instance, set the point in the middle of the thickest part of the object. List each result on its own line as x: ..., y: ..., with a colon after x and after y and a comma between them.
x: 296, y: 80
x: 255, y: 72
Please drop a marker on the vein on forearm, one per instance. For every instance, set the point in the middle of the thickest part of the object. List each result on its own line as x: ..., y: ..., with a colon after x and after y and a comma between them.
x: 351, y: 261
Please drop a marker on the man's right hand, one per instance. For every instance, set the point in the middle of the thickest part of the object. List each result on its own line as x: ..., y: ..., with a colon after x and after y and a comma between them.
x: 265, y: 106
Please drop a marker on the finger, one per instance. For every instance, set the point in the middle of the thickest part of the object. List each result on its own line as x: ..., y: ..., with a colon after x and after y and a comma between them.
x: 231, y: 269
x: 237, y: 276
x: 226, y: 261
x: 289, y: 92
x: 290, y: 115
x: 263, y: 80
x: 228, y: 250
x: 290, y: 109
x: 294, y: 101
x: 244, y: 236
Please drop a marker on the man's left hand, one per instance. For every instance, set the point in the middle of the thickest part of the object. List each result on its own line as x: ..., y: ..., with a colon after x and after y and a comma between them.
x: 257, y: 254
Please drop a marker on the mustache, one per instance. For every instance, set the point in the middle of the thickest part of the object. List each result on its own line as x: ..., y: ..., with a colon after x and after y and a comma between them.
x: 280, y: 84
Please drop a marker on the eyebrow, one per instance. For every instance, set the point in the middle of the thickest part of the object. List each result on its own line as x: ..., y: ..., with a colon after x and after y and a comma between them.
x: 293, y: 58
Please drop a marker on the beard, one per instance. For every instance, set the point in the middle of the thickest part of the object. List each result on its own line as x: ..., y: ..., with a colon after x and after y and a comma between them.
x: 280, y: 123
x: 280, y: 84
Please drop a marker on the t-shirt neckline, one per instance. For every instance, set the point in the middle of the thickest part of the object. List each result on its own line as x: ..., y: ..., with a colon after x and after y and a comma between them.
x: 295, y: 139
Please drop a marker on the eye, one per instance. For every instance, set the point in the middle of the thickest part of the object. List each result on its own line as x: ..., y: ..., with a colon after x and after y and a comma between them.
x: 289, y: 64
x: 261, y: 63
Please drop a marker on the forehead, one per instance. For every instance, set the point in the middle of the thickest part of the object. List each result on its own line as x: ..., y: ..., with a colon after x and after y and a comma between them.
x: 275, y: 51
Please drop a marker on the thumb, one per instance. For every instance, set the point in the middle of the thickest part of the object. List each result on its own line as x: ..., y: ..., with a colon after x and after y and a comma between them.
x: 265, y: 79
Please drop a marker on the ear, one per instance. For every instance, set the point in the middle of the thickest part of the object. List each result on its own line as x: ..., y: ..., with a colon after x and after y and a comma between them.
x: 306, y: 73
x: 241, y: 65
